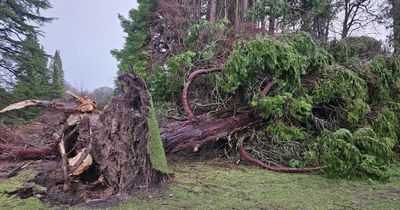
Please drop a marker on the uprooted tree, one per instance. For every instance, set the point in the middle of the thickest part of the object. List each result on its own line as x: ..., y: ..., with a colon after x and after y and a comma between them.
x: 275, y: 100
x: 119, y: 149
x: 278, y: 101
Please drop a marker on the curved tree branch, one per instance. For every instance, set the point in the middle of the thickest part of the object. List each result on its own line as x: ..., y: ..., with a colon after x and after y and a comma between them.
x: 191, y: 77
x: 246, y: 156
x: 267, y: 88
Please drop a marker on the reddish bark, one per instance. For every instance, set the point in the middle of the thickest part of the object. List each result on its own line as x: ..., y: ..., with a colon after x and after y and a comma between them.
x: 267, y: 88
x: 245, y: 6
x: 30, y: 153
x: 213, y: 11
x: 193, y: 75
x: 246, y: 156
x: 183, y: 135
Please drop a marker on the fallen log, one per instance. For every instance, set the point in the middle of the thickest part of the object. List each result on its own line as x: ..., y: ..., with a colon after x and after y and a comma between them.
x: 123, y: 128
x: 193, y: 134
x: 10, y: 152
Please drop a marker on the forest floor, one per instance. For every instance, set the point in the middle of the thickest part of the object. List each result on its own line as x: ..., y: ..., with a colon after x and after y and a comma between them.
x: 221, y: 184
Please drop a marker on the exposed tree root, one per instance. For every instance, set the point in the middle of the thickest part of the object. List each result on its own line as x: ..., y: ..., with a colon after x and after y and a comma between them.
x: 246, y: 156
x: 267, y: 88
x: 64, y: 165
x: 191, y: 116
x: 9, y: 152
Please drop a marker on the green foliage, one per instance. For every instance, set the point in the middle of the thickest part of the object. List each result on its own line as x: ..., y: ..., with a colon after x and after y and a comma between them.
x: 265, y: 8
x: 361, y: 153
x: 345, y: 87
x: 286, y: 58
x: 203, y: 26
x: 155, y: 147
x: 284, y: 104
x: 300, y: 108
x: 134, y: 56
x: 57, y: 76
x: 169, y: 80
x: 286, y: 133
x: 356, y: 110
x: 386, y: 126
x: 355, y: 49
x: 274, y: 105
x: 384, y: 77
x: 341, y: 52
x: 19, y: 19
x: 37, y: 82
x: 339, y: 82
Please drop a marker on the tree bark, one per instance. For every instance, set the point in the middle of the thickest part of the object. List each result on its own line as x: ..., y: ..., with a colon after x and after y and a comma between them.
x: 191, y: 135
x: 271, y: 25
x: 245, y: 7
x: 121, y: 141
x: 213, y: 11
x: 395, y: 13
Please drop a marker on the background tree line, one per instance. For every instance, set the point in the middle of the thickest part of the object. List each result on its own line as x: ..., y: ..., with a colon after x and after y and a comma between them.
x: 27, y: 72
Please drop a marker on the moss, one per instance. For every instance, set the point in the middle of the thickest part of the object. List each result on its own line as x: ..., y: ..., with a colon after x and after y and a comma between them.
x: 17, y: 182
x: 14, y: 202
x: 22, y: 180
x: 155, y: 146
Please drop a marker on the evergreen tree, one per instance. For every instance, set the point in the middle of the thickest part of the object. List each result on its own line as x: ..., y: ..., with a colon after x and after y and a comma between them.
x: 133, y: 56
x: 19, y: 19
x: 35, y: 68
x: 57, y: 76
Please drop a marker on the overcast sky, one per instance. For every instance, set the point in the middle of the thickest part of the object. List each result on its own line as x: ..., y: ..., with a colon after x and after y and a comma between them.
x: 85, y: 32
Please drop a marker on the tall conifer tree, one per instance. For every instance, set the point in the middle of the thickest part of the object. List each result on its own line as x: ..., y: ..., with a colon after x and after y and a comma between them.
x: 57, y: 76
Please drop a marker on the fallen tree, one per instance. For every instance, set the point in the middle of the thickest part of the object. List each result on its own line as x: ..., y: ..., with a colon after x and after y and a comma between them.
x: 122, y: 142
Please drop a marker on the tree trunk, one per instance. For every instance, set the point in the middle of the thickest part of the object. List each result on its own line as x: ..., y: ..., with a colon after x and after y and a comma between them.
x: 245, y: 6
x: 225, y: 9
x: 395, y: 13
x: 237, y: 13
x: 271, y: 25
x: 213, y: 11
x: 191, y: 135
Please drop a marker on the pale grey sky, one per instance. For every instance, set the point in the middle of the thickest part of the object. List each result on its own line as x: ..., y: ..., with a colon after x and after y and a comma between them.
x: 85, y: 32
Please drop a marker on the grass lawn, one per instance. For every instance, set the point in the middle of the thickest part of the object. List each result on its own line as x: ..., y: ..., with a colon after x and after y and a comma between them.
x: 224, y: 185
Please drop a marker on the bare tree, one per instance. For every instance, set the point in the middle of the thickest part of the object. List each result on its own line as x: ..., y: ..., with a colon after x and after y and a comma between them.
x: 357, y: 14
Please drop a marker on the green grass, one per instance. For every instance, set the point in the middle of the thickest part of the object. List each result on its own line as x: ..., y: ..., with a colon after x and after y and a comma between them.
x: 23, y: 179
x: 208, y: 186
x: 224, y: 185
